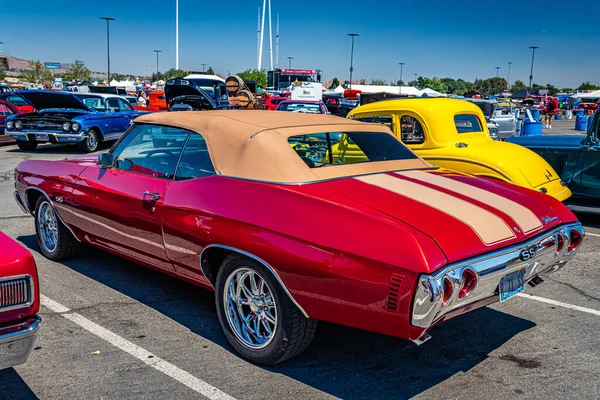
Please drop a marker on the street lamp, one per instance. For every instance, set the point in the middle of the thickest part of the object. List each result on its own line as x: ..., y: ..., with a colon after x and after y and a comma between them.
x: 176, y: 34
x: 416, y: 83
x: 352, y: 35
x: 203, y: 67
x: 290, y: 61
x: 400, y: 83
x: 157, y: 51
x: 533, y: 48
x: 508, y: 81
x: 497, y: 83
x: 108, y: 19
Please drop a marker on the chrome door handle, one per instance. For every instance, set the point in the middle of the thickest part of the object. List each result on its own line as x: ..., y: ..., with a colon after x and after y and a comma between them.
x: 154, y: 196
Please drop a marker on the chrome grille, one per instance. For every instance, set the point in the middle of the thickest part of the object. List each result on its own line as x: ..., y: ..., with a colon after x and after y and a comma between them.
x: 15, y: 293
x: 41, y: 125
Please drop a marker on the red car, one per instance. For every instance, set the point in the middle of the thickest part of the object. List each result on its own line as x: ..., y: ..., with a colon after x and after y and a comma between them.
x: 264, y: 209
x: 19, y: 303
x: 273, y: 101
x: 6, y: 109
x: 22, y: 105
x: 303, y: 106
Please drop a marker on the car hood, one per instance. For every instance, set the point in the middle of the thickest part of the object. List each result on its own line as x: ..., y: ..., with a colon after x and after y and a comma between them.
x: 465, y: 215
x: 43, y: 100
x: 180, y: 89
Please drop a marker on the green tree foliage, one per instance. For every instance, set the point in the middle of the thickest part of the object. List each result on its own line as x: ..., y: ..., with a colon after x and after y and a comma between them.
x: 174, y: 73
x: 588, y: 86
x: 413, y: 83
x: 518, y: 85
x: 2, y: 75
x: 210, y: 71
x: 566, y: 90
x: 255, y: 75
x: 334, y: 83
x: 379, y: 82
x: 157, y: 76
x: 37, y: 73
x: 78, y: 72
x: 118, y: 77
x: 552, y: 90
x: 434, y: 83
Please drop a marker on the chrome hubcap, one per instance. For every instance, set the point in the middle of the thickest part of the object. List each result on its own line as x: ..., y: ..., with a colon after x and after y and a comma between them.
x: 250, y: 308
x: 92, y: 140
x: 48, y: 227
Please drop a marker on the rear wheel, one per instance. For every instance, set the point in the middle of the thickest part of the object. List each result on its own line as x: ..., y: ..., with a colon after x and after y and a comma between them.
x: 258, y: 318
x: 91, y: 142
x: 26, y: 145
x: 54, y: 238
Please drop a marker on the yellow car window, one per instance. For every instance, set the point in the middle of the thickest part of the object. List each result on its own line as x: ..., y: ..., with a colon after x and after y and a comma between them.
x: 411, y: 130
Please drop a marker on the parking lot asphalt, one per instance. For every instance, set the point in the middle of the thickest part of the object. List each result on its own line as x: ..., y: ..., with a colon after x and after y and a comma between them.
x: 112, y: 330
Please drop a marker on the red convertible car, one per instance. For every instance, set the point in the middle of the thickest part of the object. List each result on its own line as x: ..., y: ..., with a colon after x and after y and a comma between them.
x: 19, y: 303
x: 260, y: 208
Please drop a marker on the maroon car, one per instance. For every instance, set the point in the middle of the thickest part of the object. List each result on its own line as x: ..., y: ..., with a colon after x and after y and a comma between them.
x: 303, y: 106
x: 18, y: 102
x: 6, y: 109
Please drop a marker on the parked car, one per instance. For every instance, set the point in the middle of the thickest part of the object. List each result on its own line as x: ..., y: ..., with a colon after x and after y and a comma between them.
x: 79, y: 118
x: 273, y: 101
x: 419, y: 245
x: 19, y: 303
x: 18, y: 102
x: 338, y: 105
x: 6, y: 109
x: 303, y: 106
x: 135, y: 103
x: 453, y: 134
x: 196, y: 92
x: 500, y: 125
x: 576, y: 158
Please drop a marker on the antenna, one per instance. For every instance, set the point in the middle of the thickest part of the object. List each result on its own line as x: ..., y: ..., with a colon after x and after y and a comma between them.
x: 270, y: 37
x: 277, y: 43
x: 258, y: 41
x: 262, y: 35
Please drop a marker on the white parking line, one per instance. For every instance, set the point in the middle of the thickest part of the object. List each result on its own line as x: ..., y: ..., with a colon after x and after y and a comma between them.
x: 592, y: 234
x: 560, y: 304
x: 192, y: 382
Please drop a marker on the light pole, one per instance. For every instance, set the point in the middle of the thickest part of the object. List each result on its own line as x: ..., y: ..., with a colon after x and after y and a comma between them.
x: 108, y: 19
x: 497, y: 83
x: 533, y: 48
x: 352, y: 35
x: 176, y: 34
x: 400, y: 83
x: 203, y: 67
x: 416, y: 83
x: 289, y: 67
x: 157, y: 51
x: 508, y: 81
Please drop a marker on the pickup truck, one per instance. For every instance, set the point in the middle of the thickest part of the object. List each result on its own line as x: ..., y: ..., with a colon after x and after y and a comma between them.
x: 576, y: 158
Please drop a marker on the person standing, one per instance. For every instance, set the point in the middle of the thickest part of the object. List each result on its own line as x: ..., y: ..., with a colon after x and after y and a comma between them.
x: 142, y: 99
x: 552, y: 105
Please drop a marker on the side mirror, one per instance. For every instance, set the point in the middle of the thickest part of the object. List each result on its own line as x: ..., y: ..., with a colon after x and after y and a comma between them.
x: 106, y: 160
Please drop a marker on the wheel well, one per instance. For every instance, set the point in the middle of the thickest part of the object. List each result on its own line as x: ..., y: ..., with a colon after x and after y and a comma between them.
x: 211, y: 260
x: 31, y: 198
x: 98, y: 131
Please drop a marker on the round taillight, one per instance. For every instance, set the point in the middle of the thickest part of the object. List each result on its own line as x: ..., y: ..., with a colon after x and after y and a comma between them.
x: 575, y: 238
x: 468, y: 280
x: 560, y: 244
x: 448, y: 288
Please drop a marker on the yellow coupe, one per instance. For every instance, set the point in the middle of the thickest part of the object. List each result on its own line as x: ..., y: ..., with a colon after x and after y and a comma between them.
x: 453, y: 134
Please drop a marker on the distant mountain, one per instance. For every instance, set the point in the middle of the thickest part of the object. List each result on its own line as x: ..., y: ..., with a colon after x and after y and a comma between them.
x: 20, y: 64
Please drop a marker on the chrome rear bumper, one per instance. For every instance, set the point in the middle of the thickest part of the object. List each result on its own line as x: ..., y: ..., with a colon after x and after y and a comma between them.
x: 16, y: 342
x: 428, y: 303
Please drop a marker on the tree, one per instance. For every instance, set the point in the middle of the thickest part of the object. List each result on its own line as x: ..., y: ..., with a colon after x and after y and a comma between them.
x: 518, y: 85
x: 413, y: 83
x: 588, y: 86
x: 255, y: 75
x: 118, y: 77
x: 78, y: 72
x: 210, y: 71
x: 37, y: 73
x: 334, y: 83
x: 157, y: 76
x: 2, y: 75
x: 552, y: 90
x: 566, y: 90
x: 174, y: 73
x: 362, y: 82
x: 432, y: 83
x: 379, y: 82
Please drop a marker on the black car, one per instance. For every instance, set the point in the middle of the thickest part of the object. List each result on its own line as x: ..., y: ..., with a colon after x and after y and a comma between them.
x: 338, y: 105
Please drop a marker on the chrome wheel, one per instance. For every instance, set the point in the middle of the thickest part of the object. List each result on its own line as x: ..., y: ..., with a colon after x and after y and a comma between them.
x: 92, y: 140
x: 47, y: 227
x: 250, y: 308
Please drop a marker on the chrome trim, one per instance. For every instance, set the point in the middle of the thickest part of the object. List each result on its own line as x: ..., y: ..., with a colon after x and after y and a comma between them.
x: 260, y: 260
x: 490, y: 269
x: 22, y: 206
x: 52, y: 204
x: 424, y: 338
x: 49, y: 133
x: 31, y: 289
x: 17, y: 343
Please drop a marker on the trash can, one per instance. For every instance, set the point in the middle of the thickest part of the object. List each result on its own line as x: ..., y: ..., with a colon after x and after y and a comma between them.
x: 535, y: 114
x: 558, y: 115
x: 581, y: 122
x: 531, y: 128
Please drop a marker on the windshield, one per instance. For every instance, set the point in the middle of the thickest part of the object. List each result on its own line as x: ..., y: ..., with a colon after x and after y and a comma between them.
x: 93, y: 102
x: 210, y: 86
x: 338, y: 148
x: 300, y: 107
x: 17, y: 101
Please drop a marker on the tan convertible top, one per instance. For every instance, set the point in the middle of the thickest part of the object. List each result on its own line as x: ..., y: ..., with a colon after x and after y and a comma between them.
x: 253, y: 144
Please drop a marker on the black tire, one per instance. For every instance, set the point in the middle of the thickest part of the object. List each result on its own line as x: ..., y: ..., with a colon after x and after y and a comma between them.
x: 91, y: 142
x: 294, y: 331
x: 28, y: 146
x: 66, y: 244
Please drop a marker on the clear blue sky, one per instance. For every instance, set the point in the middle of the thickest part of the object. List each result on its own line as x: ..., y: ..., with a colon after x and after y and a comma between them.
x: 434, y: 38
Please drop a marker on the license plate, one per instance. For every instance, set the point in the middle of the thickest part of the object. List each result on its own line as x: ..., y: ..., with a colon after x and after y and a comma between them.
x: 511, y: 284
x: 41, y: 137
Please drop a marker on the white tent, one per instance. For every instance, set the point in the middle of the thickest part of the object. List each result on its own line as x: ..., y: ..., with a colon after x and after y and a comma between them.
x: 592, y: 95
x: 432, y: 93
x: 128, y: 85
x: 338, y: 89
x: 409, y: 90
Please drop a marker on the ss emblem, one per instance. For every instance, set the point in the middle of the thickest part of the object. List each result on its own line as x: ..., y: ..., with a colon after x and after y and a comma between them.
x: 528, y: 254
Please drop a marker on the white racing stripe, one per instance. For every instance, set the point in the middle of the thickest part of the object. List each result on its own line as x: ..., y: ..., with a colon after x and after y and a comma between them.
x: 192, y: 382
x: 560, y: 304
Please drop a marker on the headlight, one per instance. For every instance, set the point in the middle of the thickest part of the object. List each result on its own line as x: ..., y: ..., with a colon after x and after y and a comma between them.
x: 18, y: 125
x: 66, y: 126
x: 10, y: 125
x: 75, y: 126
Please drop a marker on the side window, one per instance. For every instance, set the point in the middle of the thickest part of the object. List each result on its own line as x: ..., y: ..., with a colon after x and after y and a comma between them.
x: 124, y: 106
x: 151, y: 150
x: 379, y: 119
x: 411, y: 130
x: 466, y: 123
x: 195, y: 160
x: 113, y: 104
